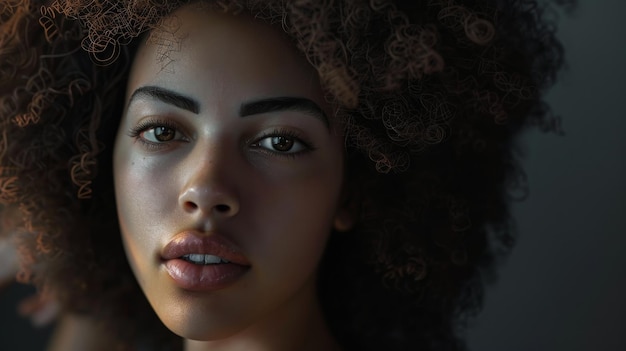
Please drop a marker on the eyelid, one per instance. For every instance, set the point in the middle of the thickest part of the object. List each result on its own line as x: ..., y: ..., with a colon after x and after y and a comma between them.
x: 298, y: 136
x: 151, y: 123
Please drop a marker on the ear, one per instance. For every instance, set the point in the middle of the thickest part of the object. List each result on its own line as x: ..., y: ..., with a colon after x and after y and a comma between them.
x: 346, y: 215
x: 344, y: 221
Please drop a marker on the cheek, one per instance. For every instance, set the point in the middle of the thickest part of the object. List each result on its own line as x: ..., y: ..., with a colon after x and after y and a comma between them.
x: 143, y: 188
x: 139, y: 200
x: 296, y: 217
x: 126, y: 200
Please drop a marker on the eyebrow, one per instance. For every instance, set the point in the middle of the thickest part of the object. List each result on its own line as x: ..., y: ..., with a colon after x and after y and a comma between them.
x: 285, y: 103
x: 168, y: 97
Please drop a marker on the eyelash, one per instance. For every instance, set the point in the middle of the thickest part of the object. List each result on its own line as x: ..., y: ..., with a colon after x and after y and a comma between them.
x: 136, y: 132
x: 308, y: 146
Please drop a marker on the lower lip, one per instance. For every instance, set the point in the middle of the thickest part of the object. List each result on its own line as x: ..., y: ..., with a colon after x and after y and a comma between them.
x: 196, y: 277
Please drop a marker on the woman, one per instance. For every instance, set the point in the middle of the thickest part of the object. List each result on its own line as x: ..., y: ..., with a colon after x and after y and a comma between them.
x: 282, y: 175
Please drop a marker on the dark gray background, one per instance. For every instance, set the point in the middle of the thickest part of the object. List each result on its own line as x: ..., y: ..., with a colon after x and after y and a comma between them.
x: 564, y: 286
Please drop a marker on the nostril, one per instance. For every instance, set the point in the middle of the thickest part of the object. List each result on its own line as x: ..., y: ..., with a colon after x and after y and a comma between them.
x: 191, y: 206
x: 222, y: 208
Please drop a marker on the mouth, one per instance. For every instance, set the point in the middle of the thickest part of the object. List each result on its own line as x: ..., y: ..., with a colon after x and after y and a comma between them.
x: 202, y: 259
x: 203, y: 249
x: 199, y: 262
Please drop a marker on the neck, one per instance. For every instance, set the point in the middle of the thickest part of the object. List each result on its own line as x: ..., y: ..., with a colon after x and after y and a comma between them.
x: 297, y: 325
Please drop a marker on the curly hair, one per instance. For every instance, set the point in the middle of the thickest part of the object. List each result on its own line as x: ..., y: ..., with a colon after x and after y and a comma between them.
x: 431, y: 96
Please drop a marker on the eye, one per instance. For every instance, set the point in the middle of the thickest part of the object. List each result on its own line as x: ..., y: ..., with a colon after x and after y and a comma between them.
x: 282, y: 143
x: 160, y: 134
x: 157, y: 134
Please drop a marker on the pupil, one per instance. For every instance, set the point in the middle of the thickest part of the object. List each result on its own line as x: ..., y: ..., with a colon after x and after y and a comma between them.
x: 282, y: 143
x: 164, y: 133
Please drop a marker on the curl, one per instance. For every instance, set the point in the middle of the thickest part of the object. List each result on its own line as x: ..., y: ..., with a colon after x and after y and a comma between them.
x: 430, y: 95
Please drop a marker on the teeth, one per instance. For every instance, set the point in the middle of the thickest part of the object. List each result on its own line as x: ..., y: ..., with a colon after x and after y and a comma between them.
x: 195, y: 258
x: 204, y: 259
x: 210, y: 259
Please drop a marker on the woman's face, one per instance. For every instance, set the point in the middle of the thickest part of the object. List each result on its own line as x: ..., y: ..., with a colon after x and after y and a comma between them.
x: 228, y: 174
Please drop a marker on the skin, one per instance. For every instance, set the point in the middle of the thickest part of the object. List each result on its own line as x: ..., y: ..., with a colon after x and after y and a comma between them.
x: 220, y: 174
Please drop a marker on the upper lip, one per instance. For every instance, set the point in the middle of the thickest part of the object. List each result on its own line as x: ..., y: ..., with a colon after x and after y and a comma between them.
x: 191, y: 242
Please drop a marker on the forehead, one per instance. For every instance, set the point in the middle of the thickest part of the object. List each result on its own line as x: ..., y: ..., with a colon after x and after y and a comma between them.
x: 209, y: 46
x: 197, y: 23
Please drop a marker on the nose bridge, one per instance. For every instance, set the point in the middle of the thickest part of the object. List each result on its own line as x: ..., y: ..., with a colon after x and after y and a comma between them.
x: 208, y: 184
x: 207, y: 158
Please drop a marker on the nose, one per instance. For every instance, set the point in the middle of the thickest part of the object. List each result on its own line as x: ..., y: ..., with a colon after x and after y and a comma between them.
x: 208, y: 189
x: 208, y: 201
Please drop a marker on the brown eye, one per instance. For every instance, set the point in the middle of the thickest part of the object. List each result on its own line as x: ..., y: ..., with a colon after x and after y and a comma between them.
x: 282, y: 143
x: 164, y: 133
x: 160, y: 134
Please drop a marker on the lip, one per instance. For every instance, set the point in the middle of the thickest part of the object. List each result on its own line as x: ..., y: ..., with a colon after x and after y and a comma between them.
x: 191, y: 276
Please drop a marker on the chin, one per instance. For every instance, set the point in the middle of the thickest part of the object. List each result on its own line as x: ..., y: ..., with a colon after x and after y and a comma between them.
x: 199, y: 327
